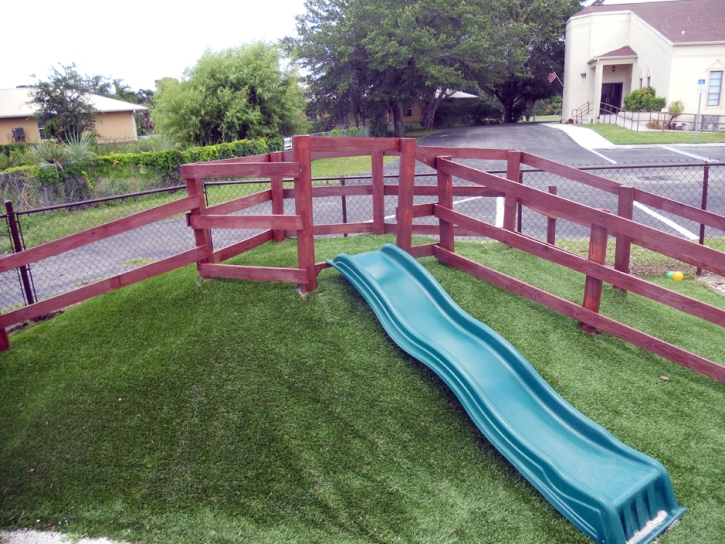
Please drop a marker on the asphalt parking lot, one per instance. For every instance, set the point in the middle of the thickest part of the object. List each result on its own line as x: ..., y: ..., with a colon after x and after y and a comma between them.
x: 574, y: 146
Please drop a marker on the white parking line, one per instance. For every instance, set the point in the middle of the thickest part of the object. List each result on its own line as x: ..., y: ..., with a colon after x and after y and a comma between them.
x: 499, y: 211
x: 700, y: 157
x: 468, y: 200
x: 683, y: 231
x: 602, y: 156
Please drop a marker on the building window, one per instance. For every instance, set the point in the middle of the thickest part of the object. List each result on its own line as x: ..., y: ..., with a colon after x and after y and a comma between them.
x: 640, y: 82
x: 715, y: 88
x: 409, y: 111
x: 649, y: 81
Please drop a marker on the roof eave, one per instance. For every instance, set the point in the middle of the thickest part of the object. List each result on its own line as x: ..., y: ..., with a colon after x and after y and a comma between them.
x: 719, y: 42
x: 596, y: 60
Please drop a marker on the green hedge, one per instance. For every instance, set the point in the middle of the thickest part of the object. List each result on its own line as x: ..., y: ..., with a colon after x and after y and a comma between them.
x: 162, y: 164
x: 11, y: 149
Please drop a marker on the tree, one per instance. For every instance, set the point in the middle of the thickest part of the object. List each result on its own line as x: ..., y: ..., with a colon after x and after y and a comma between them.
x: 360, y: 55
x: 237, y: 93
x: 64, y: 107
x: 529, y: 41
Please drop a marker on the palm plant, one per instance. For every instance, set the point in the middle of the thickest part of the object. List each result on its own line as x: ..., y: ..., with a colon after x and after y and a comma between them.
x: 53, y: 153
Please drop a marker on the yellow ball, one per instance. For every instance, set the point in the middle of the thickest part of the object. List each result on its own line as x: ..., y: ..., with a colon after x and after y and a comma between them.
x: 678, y: 276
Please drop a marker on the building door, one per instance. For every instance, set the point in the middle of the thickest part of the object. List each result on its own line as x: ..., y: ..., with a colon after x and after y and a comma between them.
x: 611, y: 96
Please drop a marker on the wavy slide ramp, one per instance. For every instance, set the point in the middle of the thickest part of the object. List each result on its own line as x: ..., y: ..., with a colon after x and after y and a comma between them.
x: 611, y: 492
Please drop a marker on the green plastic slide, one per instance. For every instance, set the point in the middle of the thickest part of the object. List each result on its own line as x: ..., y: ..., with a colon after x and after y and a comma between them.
x: 611, y: 492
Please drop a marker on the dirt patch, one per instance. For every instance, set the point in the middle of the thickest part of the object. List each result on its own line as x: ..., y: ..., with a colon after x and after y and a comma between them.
x: 714, y: 281
x: 31, y: 536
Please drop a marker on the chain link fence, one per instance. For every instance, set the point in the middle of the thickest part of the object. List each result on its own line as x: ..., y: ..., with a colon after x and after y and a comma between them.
x: 700, y: 186
x: 695, y: 184
x: 93, y: 262
x: 30, y: 193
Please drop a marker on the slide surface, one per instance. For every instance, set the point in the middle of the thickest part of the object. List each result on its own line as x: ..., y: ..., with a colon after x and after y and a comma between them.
x: 611, y: 492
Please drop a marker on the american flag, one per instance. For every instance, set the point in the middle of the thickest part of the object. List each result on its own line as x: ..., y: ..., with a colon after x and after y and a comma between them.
x: 552, y: 76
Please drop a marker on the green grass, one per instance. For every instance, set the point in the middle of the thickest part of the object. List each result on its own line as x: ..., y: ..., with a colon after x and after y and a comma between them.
x: 548, y: 118
x: 644, y: 262
x: 39, y: 228
x: 419, y: 133
x: 620, y: 135
x: 189, y: 410
x: 344, y: 166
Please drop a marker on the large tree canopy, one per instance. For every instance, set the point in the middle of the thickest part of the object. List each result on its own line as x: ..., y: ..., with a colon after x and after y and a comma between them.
x: 361, y: 54
x: 64, y: 109
x: 233, y: 94
x: 529, y: 42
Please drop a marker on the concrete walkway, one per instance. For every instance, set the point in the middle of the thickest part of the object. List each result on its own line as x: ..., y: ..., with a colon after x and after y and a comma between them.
x: 586, y: 138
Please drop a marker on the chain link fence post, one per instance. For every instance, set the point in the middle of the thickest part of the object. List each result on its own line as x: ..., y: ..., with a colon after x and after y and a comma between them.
x: 705, y: 187
x: 344, y: 204
x: 551, y: 223
x: 17, y: 248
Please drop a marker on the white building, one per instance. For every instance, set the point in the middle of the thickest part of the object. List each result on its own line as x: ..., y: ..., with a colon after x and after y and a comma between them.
x: 612, y: 50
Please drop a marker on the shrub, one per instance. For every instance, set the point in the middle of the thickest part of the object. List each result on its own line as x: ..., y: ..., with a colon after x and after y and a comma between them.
x: 644, y: 99
x: 468, y: 112
x: 55, y: 166
x: 676, y: 107
x: 654, y: 124
x: 550, y: 106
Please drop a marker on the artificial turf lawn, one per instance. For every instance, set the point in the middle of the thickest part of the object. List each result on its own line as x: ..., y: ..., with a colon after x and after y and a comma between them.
x: 189, y: 410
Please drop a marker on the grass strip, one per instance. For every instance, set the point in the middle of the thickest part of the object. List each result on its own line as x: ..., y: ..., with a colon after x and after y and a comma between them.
x: 621, y: 135
x: 188, y: 410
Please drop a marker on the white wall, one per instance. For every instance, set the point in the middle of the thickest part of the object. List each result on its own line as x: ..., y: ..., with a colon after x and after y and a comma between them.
x: 673, y: 70
x: 693, y: 62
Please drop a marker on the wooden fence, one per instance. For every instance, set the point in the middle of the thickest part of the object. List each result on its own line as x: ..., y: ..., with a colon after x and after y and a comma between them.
x: 296, y: 164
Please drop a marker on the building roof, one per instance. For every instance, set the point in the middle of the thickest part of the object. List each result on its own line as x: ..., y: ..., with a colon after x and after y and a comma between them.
x: 622, y: 52
x: 681, y: 21
x: 625, y: 51
x: 16, y: 103
x: 462, y: 94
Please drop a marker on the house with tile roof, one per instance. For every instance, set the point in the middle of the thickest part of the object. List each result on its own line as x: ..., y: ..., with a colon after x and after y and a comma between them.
x: 114, y: 118
x: 672, y: 46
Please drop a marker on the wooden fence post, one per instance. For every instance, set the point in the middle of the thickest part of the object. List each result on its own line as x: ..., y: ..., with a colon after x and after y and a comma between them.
x: 551, y: 223
x: 303, y: 207
x: 513, y: 171
x: 593, y: 286
x: 4, y: 340
x: 202, y: 237
x: 378, y: 193
x: 406, y: 182
x: 445, y: 199
x: 277, y: 186
x: 623, y: 248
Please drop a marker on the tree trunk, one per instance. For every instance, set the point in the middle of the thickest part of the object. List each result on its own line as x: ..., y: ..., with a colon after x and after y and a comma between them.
x: 429, y: 113
x: 398, y: 115
x: 429, y: 106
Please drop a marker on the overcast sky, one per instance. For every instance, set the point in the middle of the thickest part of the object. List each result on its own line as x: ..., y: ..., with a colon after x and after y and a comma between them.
x: 137, y: 41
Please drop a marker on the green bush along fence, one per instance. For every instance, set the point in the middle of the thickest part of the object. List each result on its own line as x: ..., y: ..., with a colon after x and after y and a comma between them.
x: 30, y: 187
